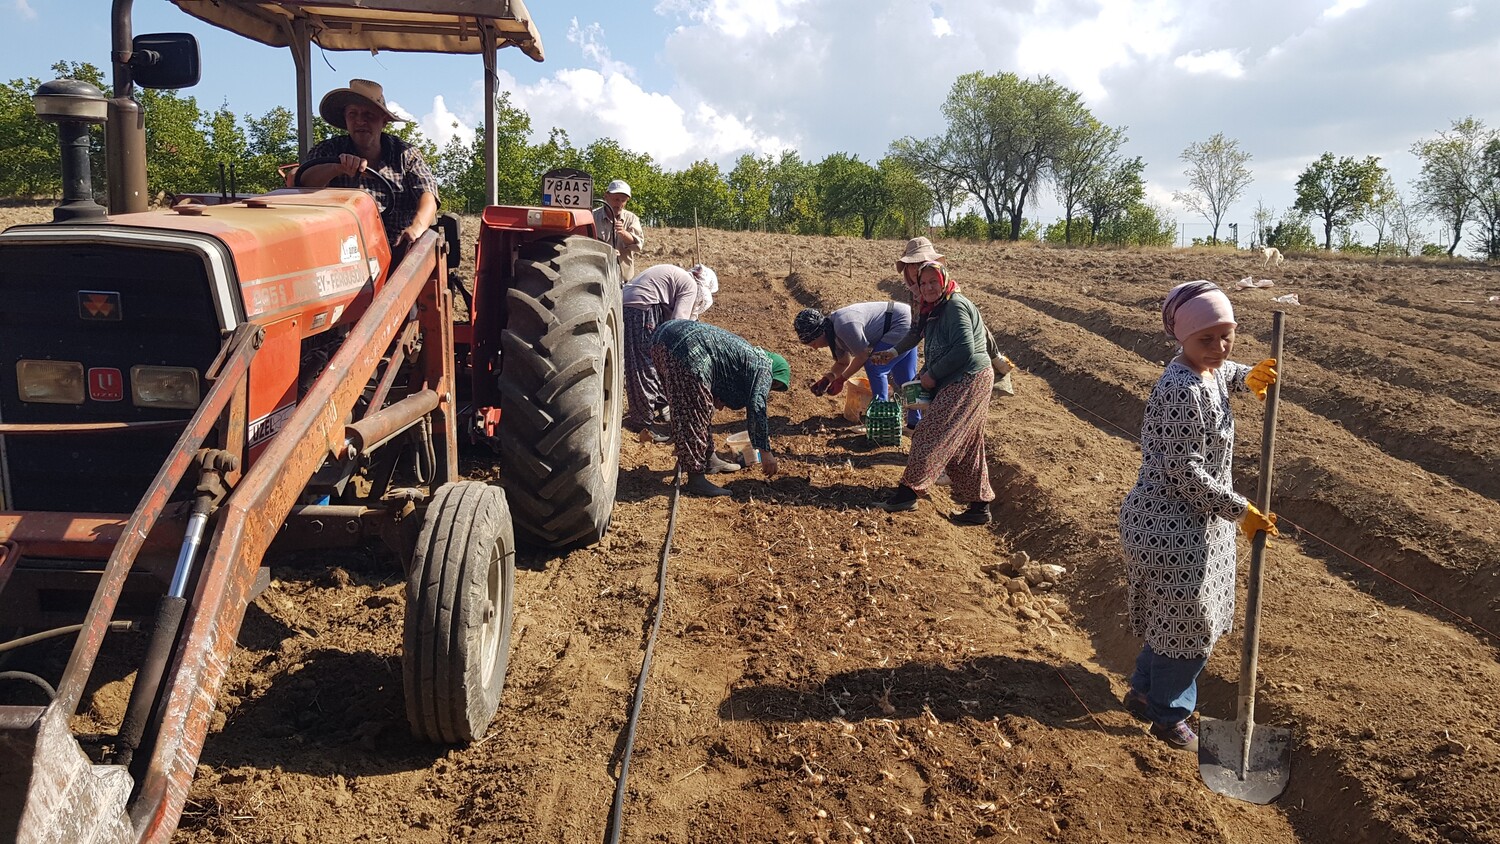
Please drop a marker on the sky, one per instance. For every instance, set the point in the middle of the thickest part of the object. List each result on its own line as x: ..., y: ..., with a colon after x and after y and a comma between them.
x: 685, y: 80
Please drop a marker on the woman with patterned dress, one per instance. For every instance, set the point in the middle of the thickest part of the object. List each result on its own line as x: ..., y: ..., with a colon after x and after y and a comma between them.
x: 659, y: 293
x: 956, y: 368
x: 704, y: 367
x: 1177, y: 525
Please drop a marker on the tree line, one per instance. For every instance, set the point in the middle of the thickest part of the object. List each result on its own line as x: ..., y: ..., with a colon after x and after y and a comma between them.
x: 1006, y: 139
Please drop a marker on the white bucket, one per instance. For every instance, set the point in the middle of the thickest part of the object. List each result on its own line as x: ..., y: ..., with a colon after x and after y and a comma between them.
x: 739, y: 442
x: 916, y: 397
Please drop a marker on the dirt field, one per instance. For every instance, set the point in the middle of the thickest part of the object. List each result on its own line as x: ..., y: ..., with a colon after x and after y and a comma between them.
x: 829, y: 672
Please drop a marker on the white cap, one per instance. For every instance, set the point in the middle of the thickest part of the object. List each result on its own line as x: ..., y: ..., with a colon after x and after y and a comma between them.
x: 618, y: 186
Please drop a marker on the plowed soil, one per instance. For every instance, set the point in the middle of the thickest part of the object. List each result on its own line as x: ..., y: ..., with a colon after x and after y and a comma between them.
x: 830, y: 672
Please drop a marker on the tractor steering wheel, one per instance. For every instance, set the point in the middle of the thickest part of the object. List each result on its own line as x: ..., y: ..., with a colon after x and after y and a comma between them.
x: 385, y: 184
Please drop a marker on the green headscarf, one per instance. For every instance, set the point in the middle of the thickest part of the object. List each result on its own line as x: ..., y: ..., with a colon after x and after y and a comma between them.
x: 781, y: 373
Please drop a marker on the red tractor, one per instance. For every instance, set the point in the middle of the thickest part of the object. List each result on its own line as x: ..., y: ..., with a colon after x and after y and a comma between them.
x: 179, y: 388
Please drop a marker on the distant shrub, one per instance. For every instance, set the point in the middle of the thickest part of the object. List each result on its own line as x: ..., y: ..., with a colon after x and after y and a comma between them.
x: 970, y: 226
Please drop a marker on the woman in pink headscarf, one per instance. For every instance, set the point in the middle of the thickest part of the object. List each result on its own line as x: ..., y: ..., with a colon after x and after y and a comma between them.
x: 1177, y: 525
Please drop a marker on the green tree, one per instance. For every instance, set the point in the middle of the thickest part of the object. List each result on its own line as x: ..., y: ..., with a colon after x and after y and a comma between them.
x: 1487, y: 202
x: 910, y: 200
x: 1113, y: 192
x: 1003, y: 135
x: 226, y: 147
x: 943, y: 186
x: 1451, y: 164
x: 32, y: 156
x: 1083, y: 167
x: 176, y: 149
x: 750, y: 191
x: 849, y: 189
x: 606, y: 160
x: 1337, y: 192
x: 1292, y: 233
x: 699, y: 194
x: 272, y: 139
x: 1217, y: 176
x: 792, y: 182
x: 1140, y: 224
x: 1380, y: 213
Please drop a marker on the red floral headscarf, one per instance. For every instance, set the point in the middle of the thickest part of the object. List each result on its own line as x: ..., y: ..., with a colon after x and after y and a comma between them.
x: 949, y: 286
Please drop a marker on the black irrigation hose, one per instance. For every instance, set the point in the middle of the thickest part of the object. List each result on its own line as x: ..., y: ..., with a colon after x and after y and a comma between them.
x: 617, y: 809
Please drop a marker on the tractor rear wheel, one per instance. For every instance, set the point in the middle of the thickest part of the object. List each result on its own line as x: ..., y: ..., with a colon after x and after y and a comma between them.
x: 459, y: 608
x: 562, y: 391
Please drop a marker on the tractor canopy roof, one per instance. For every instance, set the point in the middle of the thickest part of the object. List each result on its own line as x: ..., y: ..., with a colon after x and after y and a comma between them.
x: 416, y: 26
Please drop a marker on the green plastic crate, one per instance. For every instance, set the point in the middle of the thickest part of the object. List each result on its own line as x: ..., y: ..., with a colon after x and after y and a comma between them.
x: 883, y: 422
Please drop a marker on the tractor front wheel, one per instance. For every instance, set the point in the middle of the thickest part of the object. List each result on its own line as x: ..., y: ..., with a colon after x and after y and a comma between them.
x: 561, y: 390
x: 456, y: 642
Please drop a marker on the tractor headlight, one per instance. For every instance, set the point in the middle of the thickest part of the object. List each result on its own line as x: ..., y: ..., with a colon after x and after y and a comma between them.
x: 164, y: 386
x: 50, y: 381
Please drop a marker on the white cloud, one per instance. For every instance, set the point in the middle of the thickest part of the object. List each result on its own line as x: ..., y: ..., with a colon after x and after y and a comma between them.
x: 23, y: 8
x: 1221, y: 62
x: 1121, y: 34
x: 1343, y: 7
x: 592, y: 105
x: 590, y: 41
x: 941, y: 27
x: 736, y: 18
x: 400, y: 110
x: 1461, y: 13
x: 441, y: 125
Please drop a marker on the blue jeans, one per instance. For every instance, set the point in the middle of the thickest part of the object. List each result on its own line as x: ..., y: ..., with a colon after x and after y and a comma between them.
x: 903, y: 369
x: 1169, y: 684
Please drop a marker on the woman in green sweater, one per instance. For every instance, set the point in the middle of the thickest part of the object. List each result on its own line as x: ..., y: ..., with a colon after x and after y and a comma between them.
x: 957, y: 369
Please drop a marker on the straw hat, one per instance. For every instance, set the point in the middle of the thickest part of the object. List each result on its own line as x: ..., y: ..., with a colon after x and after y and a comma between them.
x: 918, y: 251
x: 361, y: 92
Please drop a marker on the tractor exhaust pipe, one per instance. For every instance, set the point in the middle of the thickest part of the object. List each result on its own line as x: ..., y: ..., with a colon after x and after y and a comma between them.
x: 74, y: 106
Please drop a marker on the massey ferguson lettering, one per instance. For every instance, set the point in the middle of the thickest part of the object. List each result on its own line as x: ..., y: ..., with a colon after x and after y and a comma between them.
x: 274, y: 294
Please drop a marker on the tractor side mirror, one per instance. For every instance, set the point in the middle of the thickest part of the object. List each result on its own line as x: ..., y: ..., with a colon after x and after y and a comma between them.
x: 164, y: 60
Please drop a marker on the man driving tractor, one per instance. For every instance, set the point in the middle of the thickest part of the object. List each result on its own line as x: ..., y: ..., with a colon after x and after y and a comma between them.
x: 360, y: 110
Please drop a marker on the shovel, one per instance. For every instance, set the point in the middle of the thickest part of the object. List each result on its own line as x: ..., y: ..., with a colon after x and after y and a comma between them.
x: 1238, y: 758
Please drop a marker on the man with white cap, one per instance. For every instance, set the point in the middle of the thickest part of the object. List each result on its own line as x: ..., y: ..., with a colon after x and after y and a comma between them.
x: 620, y: 228
x: 360, y: 110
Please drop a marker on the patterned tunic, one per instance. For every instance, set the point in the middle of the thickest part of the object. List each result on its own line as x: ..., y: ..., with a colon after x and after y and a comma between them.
x: 1177, y: 526
x: 400, y: 163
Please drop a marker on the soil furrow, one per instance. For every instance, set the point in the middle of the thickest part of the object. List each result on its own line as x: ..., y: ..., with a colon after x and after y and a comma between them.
x: 1053, y: 512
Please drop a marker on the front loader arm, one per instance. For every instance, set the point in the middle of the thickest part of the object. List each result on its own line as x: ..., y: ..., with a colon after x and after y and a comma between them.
x: 254, y: 511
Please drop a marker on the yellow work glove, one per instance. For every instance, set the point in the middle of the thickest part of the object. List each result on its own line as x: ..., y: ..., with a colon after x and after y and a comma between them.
x: 1254, y: 520
x: 1262, y: 376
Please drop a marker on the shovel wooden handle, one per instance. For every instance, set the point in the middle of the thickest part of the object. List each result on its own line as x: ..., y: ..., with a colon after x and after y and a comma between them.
x: 1251, y: 656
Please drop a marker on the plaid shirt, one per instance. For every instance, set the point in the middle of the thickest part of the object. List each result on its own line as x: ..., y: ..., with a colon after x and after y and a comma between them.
x: 400, y: 163
x: 737, y: 373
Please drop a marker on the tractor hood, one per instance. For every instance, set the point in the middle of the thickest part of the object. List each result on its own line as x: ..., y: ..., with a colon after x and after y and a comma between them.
x: 416, y: 26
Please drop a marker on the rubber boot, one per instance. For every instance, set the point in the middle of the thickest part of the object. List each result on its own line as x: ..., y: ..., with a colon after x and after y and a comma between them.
x: 698, y: 484
x: 719, y: 466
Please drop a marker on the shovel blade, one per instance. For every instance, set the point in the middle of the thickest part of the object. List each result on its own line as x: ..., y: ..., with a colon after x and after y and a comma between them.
x: 1220, y: 744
